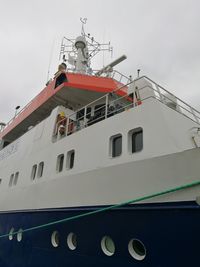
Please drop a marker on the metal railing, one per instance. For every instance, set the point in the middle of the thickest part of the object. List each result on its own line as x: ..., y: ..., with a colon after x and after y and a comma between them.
x: 112, y: 104
x: 115, y: 75
x: 118, y: 76
x: 173, y: 101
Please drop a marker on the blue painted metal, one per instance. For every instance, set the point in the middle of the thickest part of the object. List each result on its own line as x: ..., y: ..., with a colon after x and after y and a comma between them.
x: 170, y: 233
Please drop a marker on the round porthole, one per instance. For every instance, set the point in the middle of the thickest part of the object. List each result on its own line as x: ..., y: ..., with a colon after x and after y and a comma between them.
x: 55, y: 239
x: 108, y: 246
x: 72, y: 241
x: 137, y: 249
x: 19, y: 235
x: 11, y: 233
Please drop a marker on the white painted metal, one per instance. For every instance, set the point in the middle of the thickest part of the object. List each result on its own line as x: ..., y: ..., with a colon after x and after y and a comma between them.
x: 169, y: 158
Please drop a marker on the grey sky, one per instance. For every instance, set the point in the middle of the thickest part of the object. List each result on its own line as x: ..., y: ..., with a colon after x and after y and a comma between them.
x: 162, y: 38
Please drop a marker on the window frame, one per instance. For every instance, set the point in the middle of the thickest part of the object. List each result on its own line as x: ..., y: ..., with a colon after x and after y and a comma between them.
x: 111, y: 145
x: 12, y: 177
x: 34, y: 172
x: 60, y: 158
x: 70, y: 166
x: 16, y: 179
x: 130, y: 140
x: 40, y: 170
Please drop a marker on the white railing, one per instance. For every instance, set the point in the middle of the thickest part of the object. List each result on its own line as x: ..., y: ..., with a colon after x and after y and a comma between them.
x: 173, y: 101
x: 112, y: 104
x: 115, y: 75
x: 118, y: 76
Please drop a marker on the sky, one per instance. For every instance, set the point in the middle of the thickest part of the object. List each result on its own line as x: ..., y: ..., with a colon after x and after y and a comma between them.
x: 160, y: 37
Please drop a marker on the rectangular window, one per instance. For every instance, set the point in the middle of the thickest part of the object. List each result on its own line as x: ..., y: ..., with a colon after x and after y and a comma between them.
x: 16, y: 178
x: 33, y: 172
x: 70, y: 159
x: 40, y: 169
x: 11, y: 179
x: 135, y: 140
x: 60, y: 160
x: 116, y: 145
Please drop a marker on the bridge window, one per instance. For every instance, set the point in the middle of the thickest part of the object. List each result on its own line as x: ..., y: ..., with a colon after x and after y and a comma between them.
x: 60, y: 79
x: 33, y: 172
x: 40, y: 169
x: 60, y: 160
x: 135, y: 139
x: 116, y: 145
x: 70, y: 159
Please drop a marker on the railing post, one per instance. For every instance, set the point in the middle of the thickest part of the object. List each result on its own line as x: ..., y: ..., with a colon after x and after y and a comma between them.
x: 85, y: 118
x: 162, y: 99
x: 67, y: 125
x: 106, y: 108
x: 196, y: 118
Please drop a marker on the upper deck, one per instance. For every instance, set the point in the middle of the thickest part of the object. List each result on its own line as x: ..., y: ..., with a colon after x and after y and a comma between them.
x: 71, y: 90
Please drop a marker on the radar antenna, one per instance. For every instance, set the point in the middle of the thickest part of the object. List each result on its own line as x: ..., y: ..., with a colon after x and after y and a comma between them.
x: 79, y: 52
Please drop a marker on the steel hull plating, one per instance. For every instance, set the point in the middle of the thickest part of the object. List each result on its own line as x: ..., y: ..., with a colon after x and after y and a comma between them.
x: 170, y: 233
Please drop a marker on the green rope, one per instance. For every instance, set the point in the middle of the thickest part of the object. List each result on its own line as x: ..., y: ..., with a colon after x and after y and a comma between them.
x: 107, y: 208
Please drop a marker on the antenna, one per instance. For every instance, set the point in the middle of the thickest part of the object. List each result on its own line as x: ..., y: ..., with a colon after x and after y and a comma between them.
x: 83, y: 21
x: 71, y: 48
x: 109, y: 67
x: 50, y: 59
x: 16, y: 109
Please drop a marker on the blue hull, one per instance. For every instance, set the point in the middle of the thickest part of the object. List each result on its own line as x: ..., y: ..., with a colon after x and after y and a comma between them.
x: 170, y: 233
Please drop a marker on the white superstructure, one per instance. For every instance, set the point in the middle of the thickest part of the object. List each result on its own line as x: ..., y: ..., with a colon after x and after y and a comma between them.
x: 167, y: 155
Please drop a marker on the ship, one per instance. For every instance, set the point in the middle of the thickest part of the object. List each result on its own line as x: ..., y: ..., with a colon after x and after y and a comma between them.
x: 100, y: 169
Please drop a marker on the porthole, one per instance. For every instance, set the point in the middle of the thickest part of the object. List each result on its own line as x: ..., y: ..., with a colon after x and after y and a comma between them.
x: 19, y: 235
x: 137, y: 249
x: 72, y: 241
x: 107, y: 246
x: 11, y: 233
x: 55, y: 239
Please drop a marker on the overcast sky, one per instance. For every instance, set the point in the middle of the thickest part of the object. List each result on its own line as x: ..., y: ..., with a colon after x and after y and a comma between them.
x: 161, y: 37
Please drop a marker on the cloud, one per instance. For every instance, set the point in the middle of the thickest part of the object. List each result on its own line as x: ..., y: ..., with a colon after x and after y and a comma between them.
x: 162, y: 38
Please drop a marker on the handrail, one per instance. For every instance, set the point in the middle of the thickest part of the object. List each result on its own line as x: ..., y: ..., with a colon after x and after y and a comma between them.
x: 133, y: 101
x: 171, y: 100
x: 168, y: 92
x: 122, y: 76
x: 162, y: 92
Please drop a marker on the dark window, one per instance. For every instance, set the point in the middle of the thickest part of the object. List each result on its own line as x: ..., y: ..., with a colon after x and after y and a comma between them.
x: 16, y: 178
x: 33, y: 172
x: 11, y: 180
x: 60, y: 160
x: 40, y: 169
x: 61, y: 79
x: 70, y: 159
x: 137, y: 140
x: 116, y: 143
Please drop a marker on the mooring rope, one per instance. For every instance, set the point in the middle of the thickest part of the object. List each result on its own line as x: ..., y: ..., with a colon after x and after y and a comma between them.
x: 75, y: 217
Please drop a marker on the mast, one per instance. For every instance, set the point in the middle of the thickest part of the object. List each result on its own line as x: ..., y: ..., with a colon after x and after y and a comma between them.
x: 79, y: 52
